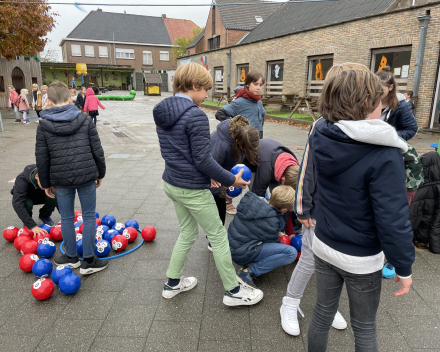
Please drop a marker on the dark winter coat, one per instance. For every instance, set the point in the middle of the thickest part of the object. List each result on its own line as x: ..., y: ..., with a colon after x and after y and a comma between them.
x: 403, y: 121
x: 424, y: 212
x: 68, y: 149
x: 183, y: 131
x: 362, y: 207
x: 255, y: 223
x: 80, y: 101
x: 268, y: 152
x: 23, y: 189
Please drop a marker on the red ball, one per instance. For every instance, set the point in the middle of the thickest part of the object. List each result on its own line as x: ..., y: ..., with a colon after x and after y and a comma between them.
x: 119, y: 243
x: 55, y: 233
x: 78, y: 215
x: 40, y: 238
x: 10, y: 233
x: 81, y: 228
x: 42, y: 289
x: 298, y: 256
x: 27, y: 261
x: 148, y: 233
x: 285, y: 240
x: 24, y: 231
x: 130, y: 233
x: 19, y: 241
x: 29, y: 247
x: 98, y: 222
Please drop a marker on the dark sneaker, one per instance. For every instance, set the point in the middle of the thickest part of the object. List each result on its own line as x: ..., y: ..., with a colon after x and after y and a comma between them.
x: 17, y: 121
x: 246, y: 278
x: 47, y: 220
x: 65, y: 260
x: 209, y: 247
x: 93, y: 267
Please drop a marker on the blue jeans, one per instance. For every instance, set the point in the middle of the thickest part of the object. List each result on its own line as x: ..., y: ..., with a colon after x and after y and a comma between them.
x: 66, y: 203
x: 272, y: 256
x: 363, y: 298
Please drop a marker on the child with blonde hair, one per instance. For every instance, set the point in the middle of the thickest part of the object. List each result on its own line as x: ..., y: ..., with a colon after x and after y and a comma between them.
x: 190, y: 170
x: 73, y: 95
x: 44, y: 104
x: 36, y: 99
x: 13, y: 102
x: 23, y: 104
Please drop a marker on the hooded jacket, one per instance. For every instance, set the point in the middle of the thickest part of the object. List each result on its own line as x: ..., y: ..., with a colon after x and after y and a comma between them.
x: 403, y: 120
x: 424, y: 211
x: 25, y: 187
x: 92, y: 102
x: 23, y: 104
x: 268, y: 152
x: 68, y: 149
x: 362, y: 207
x: 183, y: 131
x: 255, y: 223
x: 80, y: 101
x: 12, y: 99
x: 251, y: 109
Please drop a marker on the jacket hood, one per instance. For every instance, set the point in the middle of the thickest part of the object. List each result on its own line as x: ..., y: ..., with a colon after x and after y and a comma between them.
x: 337, y: 147
x: 62, y: 120
x: 252, y: 207
x: 170, y: 110
x: 29, y: 174
x: 237, y: 88
x: 228, y: 129
x: 89, y: 92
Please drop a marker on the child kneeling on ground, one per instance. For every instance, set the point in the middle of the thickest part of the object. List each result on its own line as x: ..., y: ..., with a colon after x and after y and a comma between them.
x: 253, y: 234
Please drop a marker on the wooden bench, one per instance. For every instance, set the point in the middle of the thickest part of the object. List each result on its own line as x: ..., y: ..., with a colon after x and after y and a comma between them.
x: 220, y: 93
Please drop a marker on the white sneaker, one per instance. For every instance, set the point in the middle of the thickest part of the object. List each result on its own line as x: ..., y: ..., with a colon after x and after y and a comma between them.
x: 289, y: 317
x: 245, y: 297
x: 186, y: 284
x: 339, y: 322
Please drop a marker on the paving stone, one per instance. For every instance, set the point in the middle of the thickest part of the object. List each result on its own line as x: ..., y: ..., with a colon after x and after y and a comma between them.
x: 166, y: 335
x: 140, y: 291
x: 227, y: 324
x: 19, y: 343
x: 266, y: 336
x: 420, y: 331
x: 224, y: 346
x: 186, y: 306
x: 150, y: 269
x: 117, y: 344
x: 91, y: 304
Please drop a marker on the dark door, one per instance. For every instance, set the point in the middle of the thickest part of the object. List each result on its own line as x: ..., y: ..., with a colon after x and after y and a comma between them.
x: 18, y: 79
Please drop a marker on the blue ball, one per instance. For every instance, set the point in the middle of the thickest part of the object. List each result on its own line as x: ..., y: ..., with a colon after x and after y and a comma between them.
x: 119, y: 227
x: 233, y: 191
x: 45, y: 227
x: 46, y: 249
x: 97, y: 214
x: 297, y: 242
x: 79, y: 246
x: 132, y: 223
x: 59, y: 272
x: 108, y: 220
x: 42, y: 268
x: 102, y: 248
x: 109, y: 235
x: 102, y: 230
x: 69, y: 284
x: 247, y: 174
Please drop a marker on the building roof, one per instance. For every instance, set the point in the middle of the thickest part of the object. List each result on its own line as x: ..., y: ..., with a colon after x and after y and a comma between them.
x: 95, y: 66
x: 100, y: 26
x: 242, y: 17
x: 196, y: 39
x: 176, y: 28
x: 296, y: 17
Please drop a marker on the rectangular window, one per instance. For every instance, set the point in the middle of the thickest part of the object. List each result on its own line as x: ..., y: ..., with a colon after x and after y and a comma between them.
x: 103, y: 51
x: 318, y: 68
x: 218, y: 80
x: 242, y: 71
x: 147, y: 58
x: 76, y: 49
x: 164, y: 56
x: 275, y: 73
x: 214, y: 43
x: 89, y: 50
x: 124, y: 53
x: 2, y: 84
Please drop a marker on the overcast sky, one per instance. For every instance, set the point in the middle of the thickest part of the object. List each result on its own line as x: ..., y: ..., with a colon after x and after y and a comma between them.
x: 69, y: 16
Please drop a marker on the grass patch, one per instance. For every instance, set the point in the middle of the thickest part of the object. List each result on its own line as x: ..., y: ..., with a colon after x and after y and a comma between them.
x: 213, y: 103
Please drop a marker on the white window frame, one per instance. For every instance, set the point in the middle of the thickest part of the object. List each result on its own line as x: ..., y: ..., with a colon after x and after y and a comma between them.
x: 374, y: 52
x: 101, y: 54
x: 88, y: 47
x: 147, y: 63
x: 164, y: 52
x: 73, y: 52
x: 124, y: 54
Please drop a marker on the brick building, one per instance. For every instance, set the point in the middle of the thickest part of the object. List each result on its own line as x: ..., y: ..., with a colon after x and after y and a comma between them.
x: 289, y: 44
x: 228, y: 24
x: 141, y: 42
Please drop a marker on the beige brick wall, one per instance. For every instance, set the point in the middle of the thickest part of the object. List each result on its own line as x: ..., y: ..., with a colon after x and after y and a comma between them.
x: 136, y: 63
x: 352, y: 41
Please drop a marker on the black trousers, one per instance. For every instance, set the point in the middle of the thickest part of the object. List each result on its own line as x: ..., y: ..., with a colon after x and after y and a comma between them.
x: 221, y: 206
x: 49, y: 204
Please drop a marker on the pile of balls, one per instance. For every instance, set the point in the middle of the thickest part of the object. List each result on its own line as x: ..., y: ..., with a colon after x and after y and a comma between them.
x: 295, y: 242
x: 36, y: 250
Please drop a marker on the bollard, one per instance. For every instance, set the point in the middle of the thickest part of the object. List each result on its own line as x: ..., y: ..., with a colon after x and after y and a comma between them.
x: 1, y: 122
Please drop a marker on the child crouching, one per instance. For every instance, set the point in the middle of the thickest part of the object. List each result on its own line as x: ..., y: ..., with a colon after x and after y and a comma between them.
x: 253, y: 234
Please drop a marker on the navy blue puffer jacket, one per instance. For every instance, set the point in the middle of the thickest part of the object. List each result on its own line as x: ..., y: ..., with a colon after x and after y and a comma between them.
x: 183, y: 131
x: 403, y: 121
x: 255, y: 223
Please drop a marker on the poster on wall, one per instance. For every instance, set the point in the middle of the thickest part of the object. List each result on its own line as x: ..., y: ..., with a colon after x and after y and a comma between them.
x: 397, y: 71
x: 405, y: 71
x: 218, y: 76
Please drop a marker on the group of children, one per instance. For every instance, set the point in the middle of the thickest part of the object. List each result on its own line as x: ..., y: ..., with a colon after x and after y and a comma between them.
x: 20, y: 102
x: 356, y: 156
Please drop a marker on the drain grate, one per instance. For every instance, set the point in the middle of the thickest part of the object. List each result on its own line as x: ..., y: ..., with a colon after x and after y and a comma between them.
x: 119, y: 134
